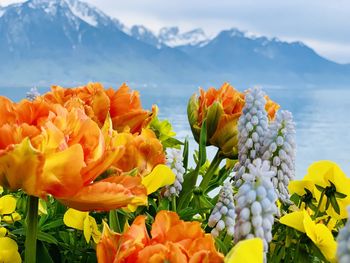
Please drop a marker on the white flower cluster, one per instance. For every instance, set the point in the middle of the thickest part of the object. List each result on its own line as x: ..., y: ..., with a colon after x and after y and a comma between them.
x: 32, y: 94
x: 223, y: 215
x: 256, y: 204
x: 279, y: 149
x: 252, y: 126
x: 343, y: 239
x: 174, y: 160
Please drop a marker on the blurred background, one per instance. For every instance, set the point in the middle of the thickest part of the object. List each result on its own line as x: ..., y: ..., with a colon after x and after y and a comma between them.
x: 297, y: 51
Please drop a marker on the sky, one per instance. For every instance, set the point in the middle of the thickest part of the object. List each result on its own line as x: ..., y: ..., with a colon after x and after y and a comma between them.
x: 324, y: 25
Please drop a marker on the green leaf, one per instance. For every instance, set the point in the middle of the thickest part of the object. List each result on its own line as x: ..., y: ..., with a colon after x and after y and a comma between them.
x: 335, y: 204
x: 42, y: 254
x: 19, y: 231
x: 53, y: 224
x: 213, y: 116
x: 113, y: 221
x: 163, y: 204
x: 202, y: 157
x: 340, y: 195
x: 319, y: 188
x: 64, y: 236
x: 185, y: 154
x: 221, y: 246
x: 47, y: 238
x: 328, y: 203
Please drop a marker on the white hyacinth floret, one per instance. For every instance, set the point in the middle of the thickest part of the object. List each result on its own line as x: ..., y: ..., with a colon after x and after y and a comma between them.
x: 279, y: 148
x: 32, y: 94
x: 343, y: 240
x: 252, y: 126
x: 223, y: 215
x: 174, y: 160
x: 256, y: 204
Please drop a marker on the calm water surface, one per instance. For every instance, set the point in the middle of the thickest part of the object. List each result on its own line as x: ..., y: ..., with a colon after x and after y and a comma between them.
x: 322, y: 119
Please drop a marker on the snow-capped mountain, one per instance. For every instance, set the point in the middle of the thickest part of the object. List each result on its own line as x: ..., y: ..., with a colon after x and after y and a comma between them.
x: 145, y: 35
x: 172, y: 37
x: 68, y: 41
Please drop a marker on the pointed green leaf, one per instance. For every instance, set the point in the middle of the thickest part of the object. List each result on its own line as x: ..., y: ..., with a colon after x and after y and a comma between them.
x: 319, y: 188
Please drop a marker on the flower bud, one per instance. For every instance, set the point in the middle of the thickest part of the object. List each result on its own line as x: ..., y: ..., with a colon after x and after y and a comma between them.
x: 221, y: 108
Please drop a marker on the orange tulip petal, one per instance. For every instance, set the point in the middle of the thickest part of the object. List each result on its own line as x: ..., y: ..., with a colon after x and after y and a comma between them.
x: 108, y: 194
x: 62, y: 171
x: 106, y: 249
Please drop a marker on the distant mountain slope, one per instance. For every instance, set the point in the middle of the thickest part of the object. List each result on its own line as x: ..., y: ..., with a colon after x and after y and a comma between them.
x: 69, y: 41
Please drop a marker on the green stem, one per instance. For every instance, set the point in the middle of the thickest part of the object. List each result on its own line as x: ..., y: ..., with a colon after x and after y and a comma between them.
x: 211, y: 170
x: 114, y: 221
x: 173, y: 202
x: 32, y: 229
x: 319, y: 205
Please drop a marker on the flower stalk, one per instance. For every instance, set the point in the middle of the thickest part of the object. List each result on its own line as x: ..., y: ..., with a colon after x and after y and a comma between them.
x: 211, y: 170
x: 32, y: 229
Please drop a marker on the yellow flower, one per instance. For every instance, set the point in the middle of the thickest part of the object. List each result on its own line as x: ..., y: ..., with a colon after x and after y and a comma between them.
x: 10, y: 219
x: 320, y: 235
x: 9, y: 251
x: 82, y: 221
x: 298, y: 187
x: 246, y: 251
x: 330, y: 179
x: 160, y: 176
x: 7, y: 204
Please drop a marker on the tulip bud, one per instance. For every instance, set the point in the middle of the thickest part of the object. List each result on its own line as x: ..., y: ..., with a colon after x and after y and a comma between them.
x: 221, y: 108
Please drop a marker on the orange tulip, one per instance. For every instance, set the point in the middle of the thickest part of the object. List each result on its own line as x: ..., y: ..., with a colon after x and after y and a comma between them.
x: 123, y: 105
x: 221, y: 108
x: 271, y: 108
x: 46, y: 149
x: 142, y: 151
x: 172, y: 240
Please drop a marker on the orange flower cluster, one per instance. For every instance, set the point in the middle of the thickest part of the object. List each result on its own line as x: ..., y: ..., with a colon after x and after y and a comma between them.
x: 221, y: 108
x: 60, y: 144
x: 123, y: 105
x: 173, y: 240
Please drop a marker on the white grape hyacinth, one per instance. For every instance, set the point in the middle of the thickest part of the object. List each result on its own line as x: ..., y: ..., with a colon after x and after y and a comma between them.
x: 223, y: 215
x: 343, y: 240
x: 32, y: 94
x: 174, y: 160
x: 252, y: 126
x: 279, y: 148
x: 256, y: 204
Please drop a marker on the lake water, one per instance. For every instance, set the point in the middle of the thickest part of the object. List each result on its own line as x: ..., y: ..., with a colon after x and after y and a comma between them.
x: 322, y: 119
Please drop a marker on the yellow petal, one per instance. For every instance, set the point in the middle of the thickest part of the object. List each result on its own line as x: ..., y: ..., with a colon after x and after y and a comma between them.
x: 298, y: 187
x: 91, y: 230
x: 7, y: 204
x: 87, y: 229
x: 294, y: 220
x: 246, y: 251
x: 10, y: 219
x: 159, y: 177
x: 9, y: 251
x: 21, y: 167
x: 1, y: 189
x: 75, y: 219
x: 3, y: 231
x: 42, y: 207
x: 321, y: 236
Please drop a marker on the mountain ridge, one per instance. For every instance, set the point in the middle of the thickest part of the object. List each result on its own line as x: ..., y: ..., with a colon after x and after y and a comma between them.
x: 68, y: 41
